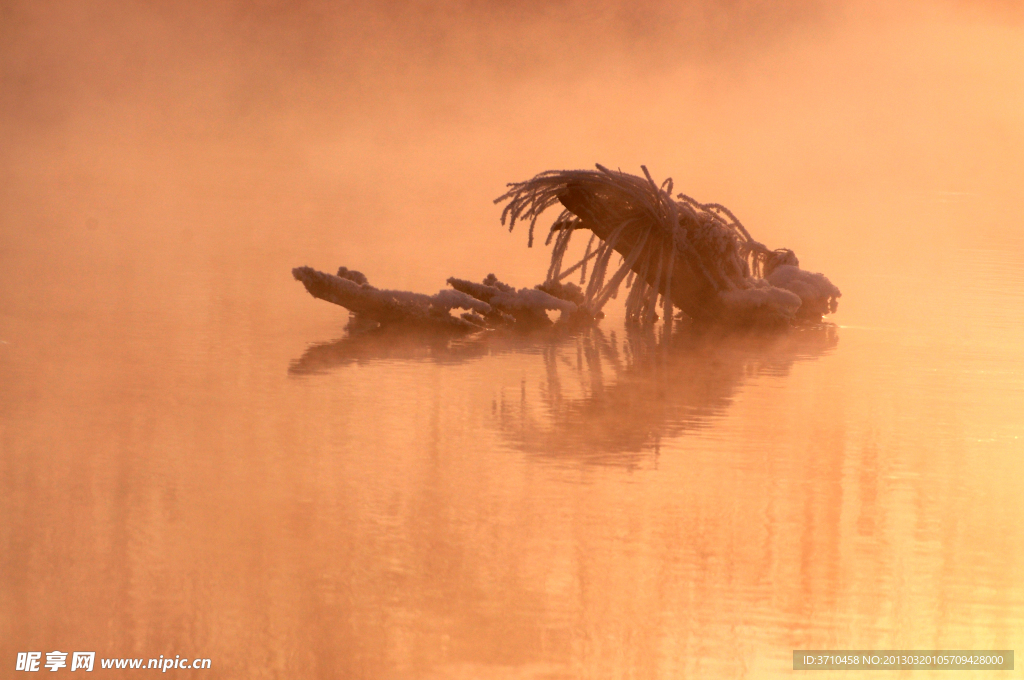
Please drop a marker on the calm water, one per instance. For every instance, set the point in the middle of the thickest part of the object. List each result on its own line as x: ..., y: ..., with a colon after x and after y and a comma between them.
x: 190, y: 475
x: 197, y: 460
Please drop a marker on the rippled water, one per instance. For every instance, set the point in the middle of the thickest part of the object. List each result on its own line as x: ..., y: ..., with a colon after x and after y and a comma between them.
x: 197, y: 459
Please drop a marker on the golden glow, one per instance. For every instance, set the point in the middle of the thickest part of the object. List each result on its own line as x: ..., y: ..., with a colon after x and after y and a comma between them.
x: 180, y: 472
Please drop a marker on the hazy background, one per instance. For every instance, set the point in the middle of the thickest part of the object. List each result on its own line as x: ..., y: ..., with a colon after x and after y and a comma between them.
x: 222, y: 127
x: 559, y: 508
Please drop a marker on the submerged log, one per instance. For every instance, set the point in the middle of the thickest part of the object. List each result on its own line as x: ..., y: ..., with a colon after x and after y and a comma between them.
x: 694, y: 257
x: 491, y: 304
x: 386, y: 306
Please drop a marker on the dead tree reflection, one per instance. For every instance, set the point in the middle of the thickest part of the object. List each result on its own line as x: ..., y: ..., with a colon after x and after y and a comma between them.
x: 389, y: 343
x: 602, y: 398
x: 608, y: 401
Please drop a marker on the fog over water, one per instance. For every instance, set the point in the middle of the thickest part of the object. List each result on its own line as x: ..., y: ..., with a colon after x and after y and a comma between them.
x: 197, y: 459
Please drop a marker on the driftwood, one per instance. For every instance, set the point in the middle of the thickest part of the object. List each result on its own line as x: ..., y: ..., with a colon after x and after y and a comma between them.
x: 490, y: 304
x: 694, y: 257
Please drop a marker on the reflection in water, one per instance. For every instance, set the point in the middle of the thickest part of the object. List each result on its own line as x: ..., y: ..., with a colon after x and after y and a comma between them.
x: 601, y: 400
x: 739, y: 507
x: 383, y: 344
x: 604, y: 402
x: 609, y: 504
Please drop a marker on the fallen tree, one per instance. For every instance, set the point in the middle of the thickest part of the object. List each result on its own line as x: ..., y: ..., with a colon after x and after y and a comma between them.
x: 676, y: 253
x: 491, y: 304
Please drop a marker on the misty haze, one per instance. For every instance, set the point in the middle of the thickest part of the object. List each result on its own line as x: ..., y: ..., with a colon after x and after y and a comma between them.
x: 199, y: 460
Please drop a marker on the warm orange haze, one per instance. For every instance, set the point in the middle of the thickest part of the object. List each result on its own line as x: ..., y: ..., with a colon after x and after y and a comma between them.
x: 198, y: 460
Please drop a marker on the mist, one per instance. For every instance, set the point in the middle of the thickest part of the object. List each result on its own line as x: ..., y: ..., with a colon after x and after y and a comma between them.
x: 314, y: 128
x: 197, y: 458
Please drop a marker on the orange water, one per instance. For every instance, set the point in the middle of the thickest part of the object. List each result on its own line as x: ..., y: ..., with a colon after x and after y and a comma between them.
x: 196, y: 460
